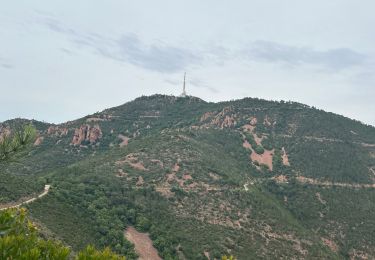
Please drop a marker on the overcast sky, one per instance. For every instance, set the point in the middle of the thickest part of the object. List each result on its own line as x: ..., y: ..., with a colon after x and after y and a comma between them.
x: 60, y: 60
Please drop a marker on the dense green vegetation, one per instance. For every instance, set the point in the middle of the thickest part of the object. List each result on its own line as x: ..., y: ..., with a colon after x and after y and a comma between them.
x: 19, y: 239
x: 186, y: 179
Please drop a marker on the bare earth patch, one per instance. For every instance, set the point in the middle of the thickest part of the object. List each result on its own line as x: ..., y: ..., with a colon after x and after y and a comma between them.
x: 306, y: 180
x: 285, y: 157
x: 253, y: 121
x: 142, y: 243
x: 138, y: 166
x: 331, y: 244
x: 124, y: 139
x: 121, y: 173
x: 165, y: 191
x: 187, y: 176
x: 265, y: 158
x: 246, y: 145
x: 281, y: 179
x: 176, y: 167
x: 38, y: 141
x: 249, y: 128
x: 214, y: 176
x: 132, y: 161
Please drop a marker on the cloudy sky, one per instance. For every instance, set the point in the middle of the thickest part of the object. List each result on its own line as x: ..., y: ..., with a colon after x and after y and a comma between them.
x: 60, y: 60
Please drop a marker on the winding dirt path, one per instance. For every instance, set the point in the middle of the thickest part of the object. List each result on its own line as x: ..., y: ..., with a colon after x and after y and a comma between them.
x: 325, y: 139
x: 44, y: 193
x: 310, y: 181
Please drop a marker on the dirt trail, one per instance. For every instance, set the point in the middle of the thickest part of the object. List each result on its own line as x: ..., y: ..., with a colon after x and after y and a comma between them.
x: 325, y: 139
x: 142, y: 243
x: 44, y: 193
x: 306, y: 180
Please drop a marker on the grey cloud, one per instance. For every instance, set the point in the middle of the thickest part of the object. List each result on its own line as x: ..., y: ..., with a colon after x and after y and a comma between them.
x: 158, y: 57
x: 335, y: 59
x: 5, y: 64
x: 129, y: 48
x: 200, y: 84
x: 56, y: 26
x: 165, y: 58
x: 67, y: 51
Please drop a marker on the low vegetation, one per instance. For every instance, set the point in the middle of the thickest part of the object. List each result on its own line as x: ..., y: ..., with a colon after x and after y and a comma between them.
x: 185, y: 178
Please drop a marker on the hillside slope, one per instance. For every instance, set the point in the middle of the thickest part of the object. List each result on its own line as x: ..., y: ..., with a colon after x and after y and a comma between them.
x: 252, y: 178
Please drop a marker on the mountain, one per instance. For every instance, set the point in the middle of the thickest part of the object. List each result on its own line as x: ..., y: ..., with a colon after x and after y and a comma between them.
x: 251, y: 178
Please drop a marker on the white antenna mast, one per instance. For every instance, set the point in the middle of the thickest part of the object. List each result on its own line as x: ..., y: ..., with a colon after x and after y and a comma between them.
x: 184, y: 87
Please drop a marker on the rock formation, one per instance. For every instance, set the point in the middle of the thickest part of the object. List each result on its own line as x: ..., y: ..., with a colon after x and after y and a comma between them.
x: 87, y: 133
x: 57, y: 131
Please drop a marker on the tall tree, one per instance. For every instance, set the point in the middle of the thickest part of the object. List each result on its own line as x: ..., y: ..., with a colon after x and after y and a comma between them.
x: 12, y: 144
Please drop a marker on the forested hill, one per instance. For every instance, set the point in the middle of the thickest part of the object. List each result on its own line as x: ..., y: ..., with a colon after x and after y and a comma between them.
x: 250, y: 177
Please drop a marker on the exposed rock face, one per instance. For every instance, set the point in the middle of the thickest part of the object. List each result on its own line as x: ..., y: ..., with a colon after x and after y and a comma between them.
x: 38, y: 141
x: 4, y: 131
x: 225, y: 118
x: 206, y: 116
x: 87, y: 133
x: 57, y: 131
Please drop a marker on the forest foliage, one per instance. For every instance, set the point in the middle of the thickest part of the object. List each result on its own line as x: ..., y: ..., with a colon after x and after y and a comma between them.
x: 203, y: 205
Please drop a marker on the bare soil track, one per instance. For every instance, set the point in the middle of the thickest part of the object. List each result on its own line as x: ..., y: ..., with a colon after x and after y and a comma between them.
x: 17, y: 205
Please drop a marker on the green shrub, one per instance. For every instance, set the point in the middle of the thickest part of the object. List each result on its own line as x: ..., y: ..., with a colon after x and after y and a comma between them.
x: 259, y: 149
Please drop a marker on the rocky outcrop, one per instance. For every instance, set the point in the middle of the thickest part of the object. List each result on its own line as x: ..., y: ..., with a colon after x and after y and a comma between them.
x: 4, y: 131
x: 206, y: 116
x: 225, y: 118
x: 38, y: 140
x: 57, y: 131
x: 87, y: 133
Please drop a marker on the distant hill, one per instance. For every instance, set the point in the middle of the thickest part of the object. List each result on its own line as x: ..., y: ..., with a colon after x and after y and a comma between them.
x: 252, y: 178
